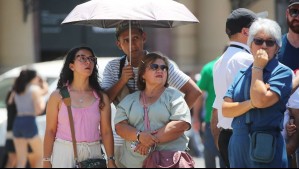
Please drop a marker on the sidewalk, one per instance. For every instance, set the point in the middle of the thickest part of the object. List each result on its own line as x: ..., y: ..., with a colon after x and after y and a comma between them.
x: 199, y: 162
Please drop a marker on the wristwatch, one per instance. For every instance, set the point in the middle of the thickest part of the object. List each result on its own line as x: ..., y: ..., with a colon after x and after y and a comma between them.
x: 111, y: 158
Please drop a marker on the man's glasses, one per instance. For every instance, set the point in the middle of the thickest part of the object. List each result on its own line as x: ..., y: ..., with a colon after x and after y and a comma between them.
x: 155, y: 67
x: 294, y: 12
x: 84, y: 59
x: 259, y: 42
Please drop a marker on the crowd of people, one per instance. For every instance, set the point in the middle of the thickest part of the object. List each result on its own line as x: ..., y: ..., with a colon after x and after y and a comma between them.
x: 251, y: 100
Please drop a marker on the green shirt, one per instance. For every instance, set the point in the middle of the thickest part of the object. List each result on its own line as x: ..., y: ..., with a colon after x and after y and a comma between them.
x: 206, y: 84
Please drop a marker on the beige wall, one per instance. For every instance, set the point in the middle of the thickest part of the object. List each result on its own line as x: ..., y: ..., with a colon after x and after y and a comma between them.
x: 200, y: 43
x: 192, y: 45
x: 16, y: 36
x: 184, y: 46
x: 264, y: 5
x: 195, y: 45
x: 212, y: 37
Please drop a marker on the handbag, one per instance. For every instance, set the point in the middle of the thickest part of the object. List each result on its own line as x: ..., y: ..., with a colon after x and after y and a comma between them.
x: 164, y: 159
x: 262, y: 143
x: 262, y: 146
x: 168, y: 159
x: 89, y: 163
x: 92, y: 163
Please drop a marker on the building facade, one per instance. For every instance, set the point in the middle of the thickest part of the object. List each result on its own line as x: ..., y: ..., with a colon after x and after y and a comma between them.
x: 31, y: 32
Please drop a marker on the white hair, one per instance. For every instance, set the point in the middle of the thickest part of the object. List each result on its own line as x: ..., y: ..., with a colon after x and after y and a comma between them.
x: 269, y: 26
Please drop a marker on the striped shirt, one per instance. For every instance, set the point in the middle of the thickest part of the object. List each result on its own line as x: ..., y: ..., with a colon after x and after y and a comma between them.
x: 176, y: 79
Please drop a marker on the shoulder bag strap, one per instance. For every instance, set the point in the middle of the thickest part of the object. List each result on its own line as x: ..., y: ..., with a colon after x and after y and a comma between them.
x: 246, y: 89
x: 121, y: 65
x: 146, y: 121
x: 67, y: 101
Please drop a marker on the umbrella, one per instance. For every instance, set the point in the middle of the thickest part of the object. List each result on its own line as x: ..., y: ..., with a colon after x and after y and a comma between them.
x: 149, y: 13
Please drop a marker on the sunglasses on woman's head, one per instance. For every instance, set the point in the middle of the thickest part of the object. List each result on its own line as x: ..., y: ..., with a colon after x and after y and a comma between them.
x: 84, y: 59
x: 294, y: 12
x: 155, y: 67
x: 259, y: 42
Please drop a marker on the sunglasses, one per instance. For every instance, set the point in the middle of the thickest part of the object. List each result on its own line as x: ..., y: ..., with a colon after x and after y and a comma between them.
x: 294, y: 12
x: 84, y: 59
x: 259, y: 42
x: 155, y: 67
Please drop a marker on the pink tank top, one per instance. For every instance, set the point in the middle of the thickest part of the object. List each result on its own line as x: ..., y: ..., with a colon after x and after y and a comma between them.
x: 86, y: 123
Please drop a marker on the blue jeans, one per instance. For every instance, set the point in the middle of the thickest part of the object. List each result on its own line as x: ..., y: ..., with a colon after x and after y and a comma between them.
x: 195, y: 145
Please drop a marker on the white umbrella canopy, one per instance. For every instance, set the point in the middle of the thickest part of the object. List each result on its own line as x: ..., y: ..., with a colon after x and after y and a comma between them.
x: 149, y: 13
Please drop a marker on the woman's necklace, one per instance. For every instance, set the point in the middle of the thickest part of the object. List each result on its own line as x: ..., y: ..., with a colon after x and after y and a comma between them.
x: 81, y: 95
x: 81, y: 99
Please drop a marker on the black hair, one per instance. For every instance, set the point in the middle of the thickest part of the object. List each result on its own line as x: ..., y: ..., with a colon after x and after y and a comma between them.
x: 23, y: 80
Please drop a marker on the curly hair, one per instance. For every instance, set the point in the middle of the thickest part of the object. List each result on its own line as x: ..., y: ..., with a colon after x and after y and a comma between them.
x: 66, y: 75
x: 147, y: 60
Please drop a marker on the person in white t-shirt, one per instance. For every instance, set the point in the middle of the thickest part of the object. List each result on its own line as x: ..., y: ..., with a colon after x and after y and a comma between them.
x: 236, y: 57
x: 291, y: 121
x: 290, y: 131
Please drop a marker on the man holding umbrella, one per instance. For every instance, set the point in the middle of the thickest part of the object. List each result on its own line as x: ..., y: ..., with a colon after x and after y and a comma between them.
x: 120, y: 75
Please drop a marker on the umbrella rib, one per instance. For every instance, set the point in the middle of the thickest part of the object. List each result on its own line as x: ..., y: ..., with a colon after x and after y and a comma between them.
x: 169, y: 24
x: 103, y: 24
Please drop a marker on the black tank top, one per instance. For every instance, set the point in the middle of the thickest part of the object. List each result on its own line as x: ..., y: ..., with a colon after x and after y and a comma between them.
x: 11, y: 113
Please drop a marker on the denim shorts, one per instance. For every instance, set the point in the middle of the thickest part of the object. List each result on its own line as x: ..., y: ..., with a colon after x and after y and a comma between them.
x: 25, y: 127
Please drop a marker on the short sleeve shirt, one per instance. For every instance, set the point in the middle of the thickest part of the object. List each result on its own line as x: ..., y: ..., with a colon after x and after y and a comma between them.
x: 177, y: 78
x: 279, y: 77
x: 171, y: 106
x: 206, y: 84
x: 225, y: 69
x: 288, y: 54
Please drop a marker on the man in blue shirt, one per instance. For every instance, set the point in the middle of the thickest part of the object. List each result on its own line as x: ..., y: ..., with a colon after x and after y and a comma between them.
x: 289, y: 55
x: 289, y: 51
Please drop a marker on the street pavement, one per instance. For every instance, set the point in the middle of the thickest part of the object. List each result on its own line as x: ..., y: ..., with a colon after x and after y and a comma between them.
x: 199, y: 162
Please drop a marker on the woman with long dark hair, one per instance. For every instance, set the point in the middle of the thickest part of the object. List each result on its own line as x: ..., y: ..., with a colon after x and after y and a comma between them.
x: 29, y: 91
x: 91, y: 114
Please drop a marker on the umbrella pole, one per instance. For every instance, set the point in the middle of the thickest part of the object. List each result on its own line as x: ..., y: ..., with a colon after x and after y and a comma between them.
x: 130, y: 48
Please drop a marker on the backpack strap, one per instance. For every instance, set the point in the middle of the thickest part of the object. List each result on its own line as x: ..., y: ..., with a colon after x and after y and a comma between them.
x: 121, y: 65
